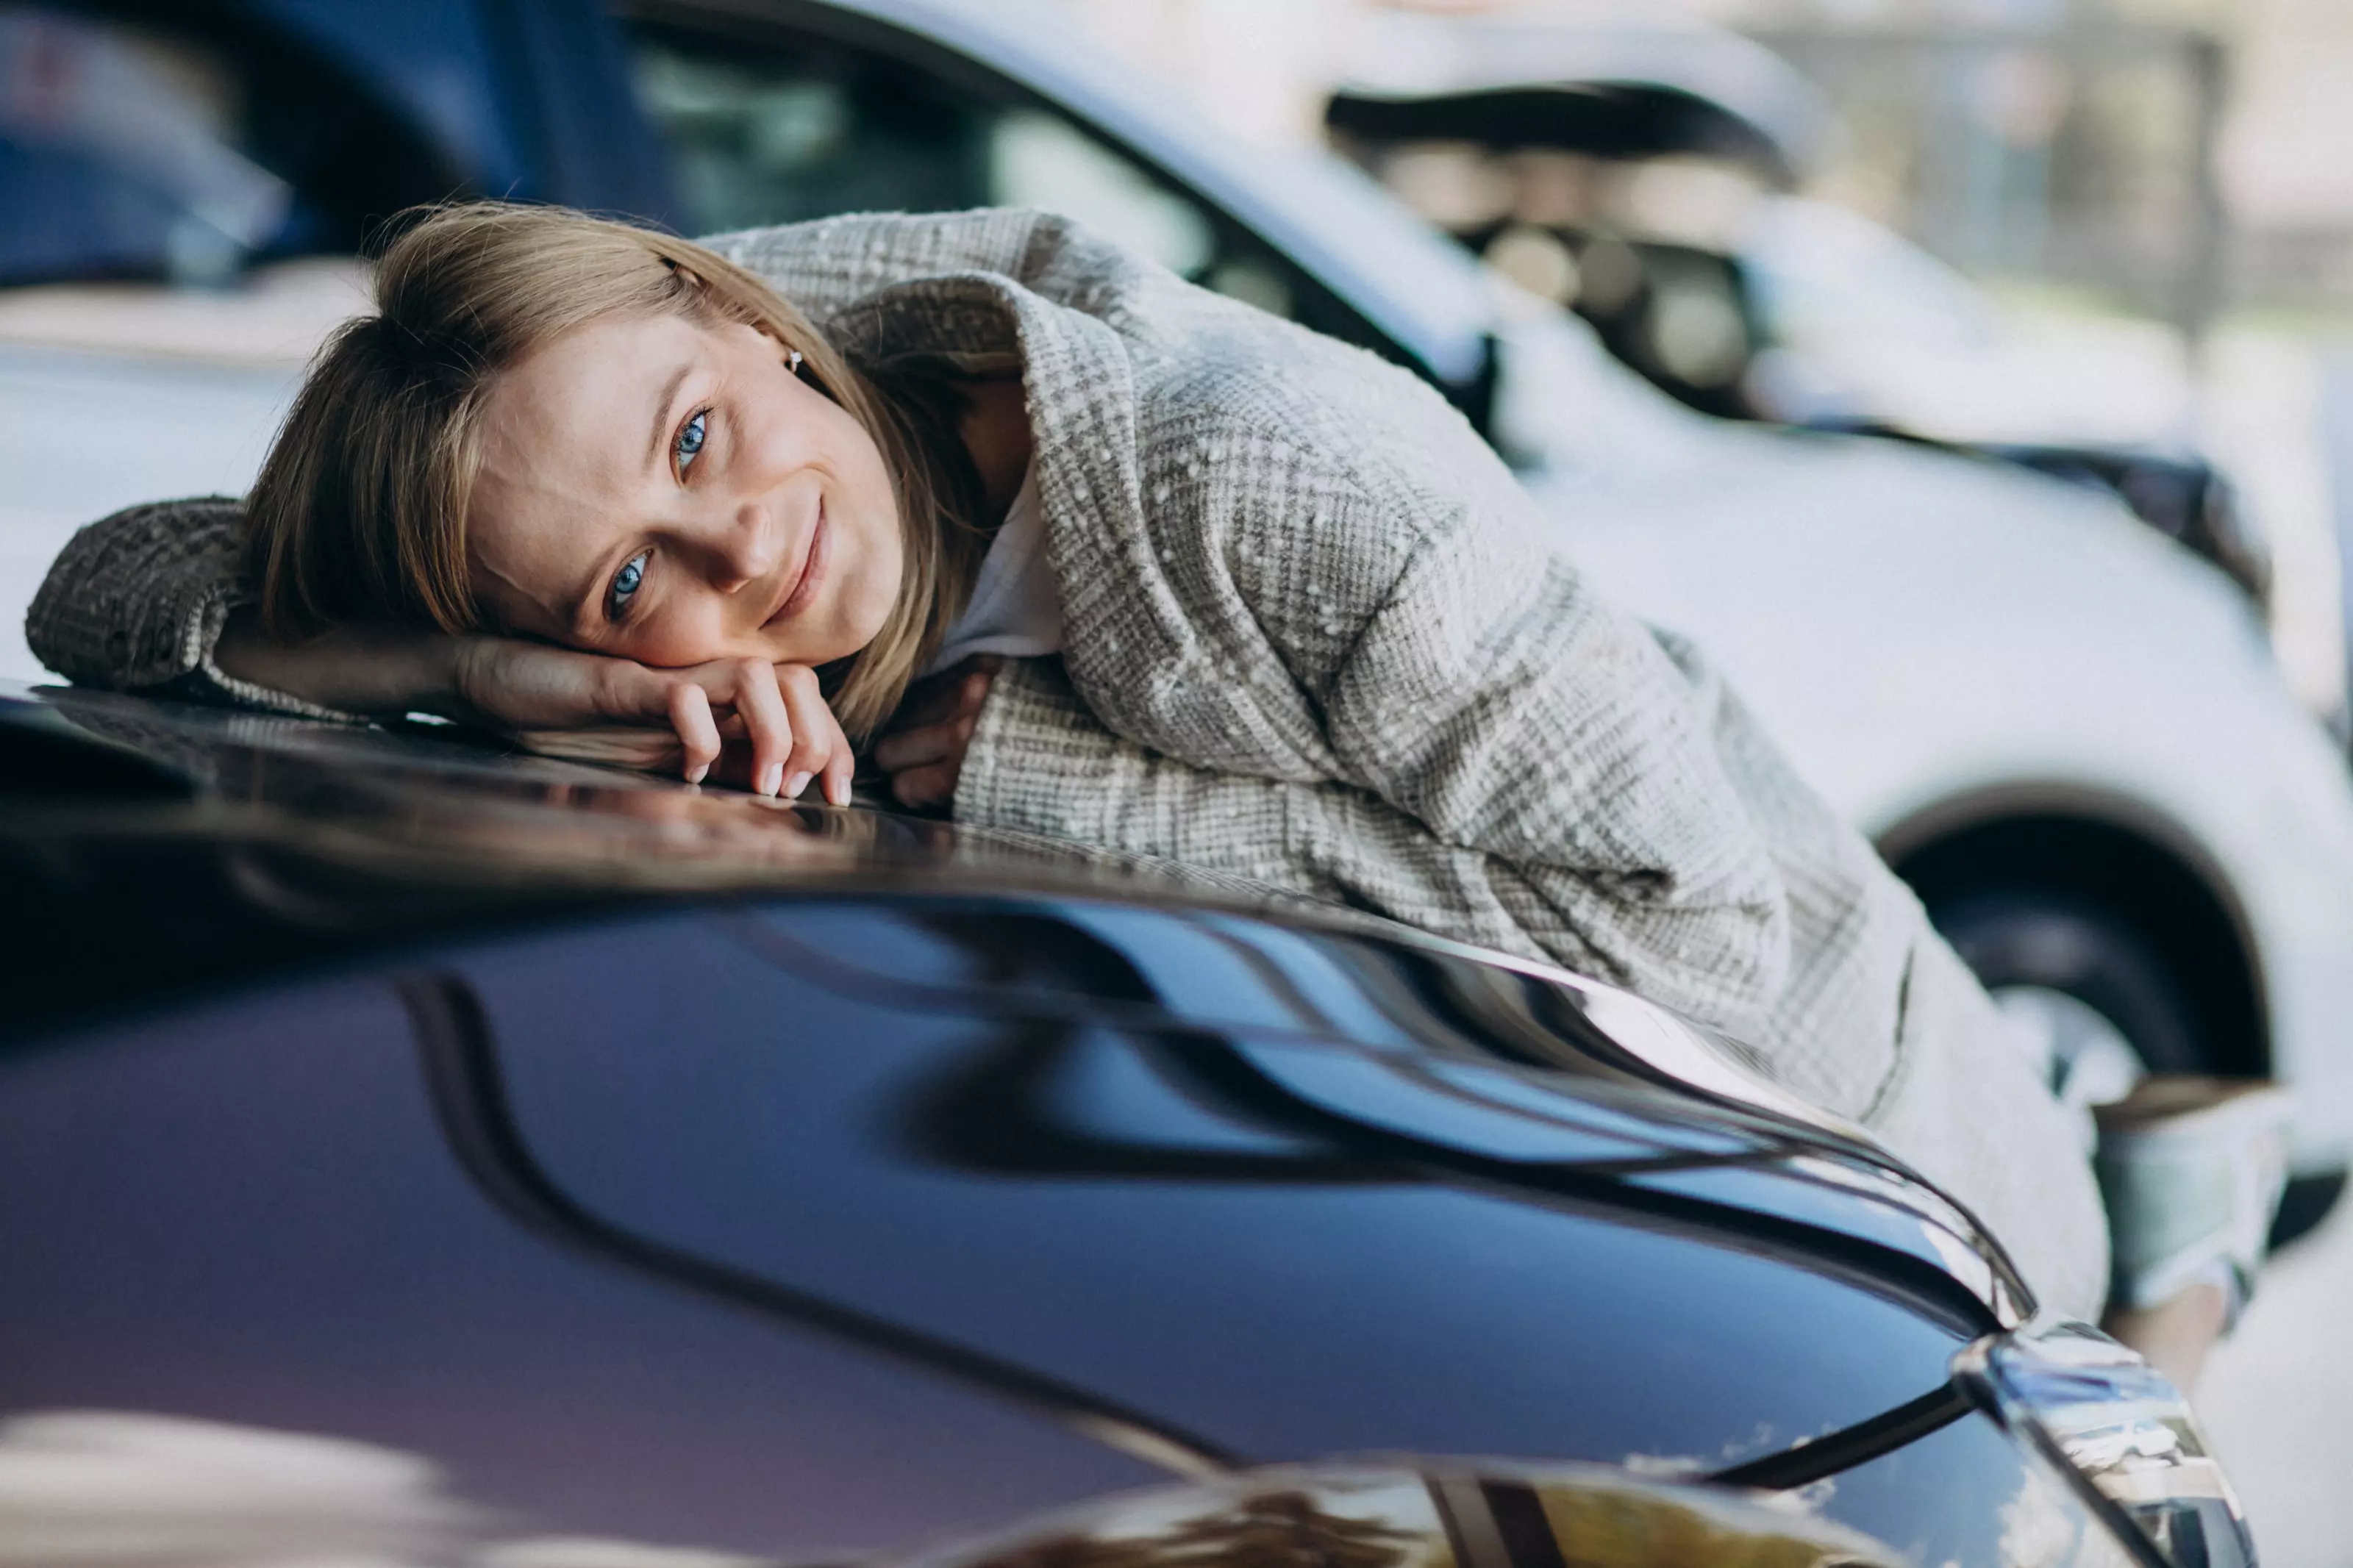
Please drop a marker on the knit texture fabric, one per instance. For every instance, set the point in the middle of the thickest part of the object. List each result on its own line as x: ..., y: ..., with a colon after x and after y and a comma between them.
x: 1316, y: 636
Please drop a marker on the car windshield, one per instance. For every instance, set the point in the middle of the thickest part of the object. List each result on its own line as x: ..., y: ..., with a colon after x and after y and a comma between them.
x: 1825, y: 275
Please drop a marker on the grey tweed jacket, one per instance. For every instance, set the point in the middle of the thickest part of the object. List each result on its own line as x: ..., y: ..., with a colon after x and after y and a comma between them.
x: 1316, y: 636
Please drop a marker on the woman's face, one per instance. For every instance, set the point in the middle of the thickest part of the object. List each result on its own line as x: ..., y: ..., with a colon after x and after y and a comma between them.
x: 671, y: 492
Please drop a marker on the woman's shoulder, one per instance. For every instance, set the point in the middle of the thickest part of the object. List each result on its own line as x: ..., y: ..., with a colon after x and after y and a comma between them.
x: 1294, y: 483
x: 1260, y: 407
x: 826, y: 264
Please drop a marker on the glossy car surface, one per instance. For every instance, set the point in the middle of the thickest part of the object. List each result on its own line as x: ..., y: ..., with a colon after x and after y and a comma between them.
x: 1968, y: 660
x: 402, y: 1143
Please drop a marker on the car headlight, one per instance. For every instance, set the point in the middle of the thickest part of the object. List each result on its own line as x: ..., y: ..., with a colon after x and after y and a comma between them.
x: 2123, y: 1431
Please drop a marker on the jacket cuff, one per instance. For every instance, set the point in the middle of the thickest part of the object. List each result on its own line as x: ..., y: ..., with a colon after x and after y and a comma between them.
x: 204, y: 678
x: 1038, y: 758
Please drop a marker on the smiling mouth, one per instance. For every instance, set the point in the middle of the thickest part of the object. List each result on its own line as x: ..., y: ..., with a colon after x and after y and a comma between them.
x: 812, y: 571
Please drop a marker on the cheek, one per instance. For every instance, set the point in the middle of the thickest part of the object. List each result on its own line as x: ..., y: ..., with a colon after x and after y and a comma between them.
x: 885, y: 569
x: 689, y: 627
x: 871, y: 508
x: 882, y: 565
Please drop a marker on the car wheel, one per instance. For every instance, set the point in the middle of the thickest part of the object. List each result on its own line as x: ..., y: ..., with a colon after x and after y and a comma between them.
x: 2083, y: 981
x: 2092, y: 1061
x: 2039, y: 953
x: 2308, y: 1201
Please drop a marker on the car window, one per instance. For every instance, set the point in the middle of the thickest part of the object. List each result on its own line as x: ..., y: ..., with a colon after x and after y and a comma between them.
x: 118, y: 147
x: 793, y: 127
x: 1827, y: 275
x: 149, y: 160
x: 144, y: 150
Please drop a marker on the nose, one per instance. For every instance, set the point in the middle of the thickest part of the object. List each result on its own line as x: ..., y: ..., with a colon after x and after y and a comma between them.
x: 746, y: 546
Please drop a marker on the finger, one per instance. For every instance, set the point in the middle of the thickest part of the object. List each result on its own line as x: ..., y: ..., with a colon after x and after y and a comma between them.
x: 914, y: 748
x: 981, y: 671
x: 840, y: 763
x: 690, y: 715
x: 815, y: 733
x: 770, y: 724
x: 927, y: 786
x: 837, y: 775
x: 961, y: 688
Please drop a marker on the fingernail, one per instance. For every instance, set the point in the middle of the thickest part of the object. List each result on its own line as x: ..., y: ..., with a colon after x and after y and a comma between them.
x: 768, y: 777
x: 694, y: 774
x: 794, y: 785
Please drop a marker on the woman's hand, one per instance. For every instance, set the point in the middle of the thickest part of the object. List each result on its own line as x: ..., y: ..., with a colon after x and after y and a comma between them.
x: 567, y: 702
x: 765, y: 726
x: 922, y: 747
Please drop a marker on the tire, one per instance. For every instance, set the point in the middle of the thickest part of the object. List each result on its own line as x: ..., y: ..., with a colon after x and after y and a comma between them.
x: 2026, y: 946
x: 2029, y: 941
x: 2309, y: 1199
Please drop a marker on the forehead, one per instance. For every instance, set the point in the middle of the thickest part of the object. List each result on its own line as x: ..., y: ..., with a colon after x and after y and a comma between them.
x: 573, y: 395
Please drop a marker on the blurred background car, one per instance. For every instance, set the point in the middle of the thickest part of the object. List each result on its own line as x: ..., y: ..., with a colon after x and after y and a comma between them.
x: 1639, y: 169
x: 1956, y: 651
x: 490, y: 1159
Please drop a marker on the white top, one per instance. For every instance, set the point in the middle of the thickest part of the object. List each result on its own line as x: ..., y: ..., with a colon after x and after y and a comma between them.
x: 1015, y: 608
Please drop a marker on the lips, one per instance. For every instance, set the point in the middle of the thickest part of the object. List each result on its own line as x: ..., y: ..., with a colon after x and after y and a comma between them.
x: 812, y: 570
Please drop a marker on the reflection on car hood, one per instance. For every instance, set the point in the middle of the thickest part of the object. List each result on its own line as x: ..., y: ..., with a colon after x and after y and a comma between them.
x: 224, y: 846
x: 423, y: 806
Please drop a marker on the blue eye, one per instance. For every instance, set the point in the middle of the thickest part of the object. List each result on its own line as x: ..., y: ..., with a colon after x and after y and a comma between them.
x: 690, y: 441
x: 626, y: 583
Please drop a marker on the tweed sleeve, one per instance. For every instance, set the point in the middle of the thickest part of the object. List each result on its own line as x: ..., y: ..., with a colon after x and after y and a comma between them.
x: 1495, y: 699
x: 136, y: 602
x: 1041, y: 762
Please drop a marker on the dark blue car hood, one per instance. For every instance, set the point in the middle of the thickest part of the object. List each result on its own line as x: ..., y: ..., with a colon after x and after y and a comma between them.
x: 1001, y: 1108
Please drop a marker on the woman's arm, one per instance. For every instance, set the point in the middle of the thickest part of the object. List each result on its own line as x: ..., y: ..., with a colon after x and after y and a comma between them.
x: 153, y: 598
x: 1536, y: 754
x: 359, y: 670
x: 1039, y: 760
x: 139, y: 600
x: 579, y: 705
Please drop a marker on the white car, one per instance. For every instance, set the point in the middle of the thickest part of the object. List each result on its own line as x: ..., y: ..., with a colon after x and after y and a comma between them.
x: 2067, y: 731
x: 1642, y: 169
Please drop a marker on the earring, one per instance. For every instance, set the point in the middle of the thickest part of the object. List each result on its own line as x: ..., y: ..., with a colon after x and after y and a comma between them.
x: 793, y: 361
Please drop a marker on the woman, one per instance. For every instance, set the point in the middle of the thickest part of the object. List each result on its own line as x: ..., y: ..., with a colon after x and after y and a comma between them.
x: 1266, y: 604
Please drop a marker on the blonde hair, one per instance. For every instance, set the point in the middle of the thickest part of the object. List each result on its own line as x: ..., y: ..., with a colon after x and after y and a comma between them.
x: 360, y: 511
